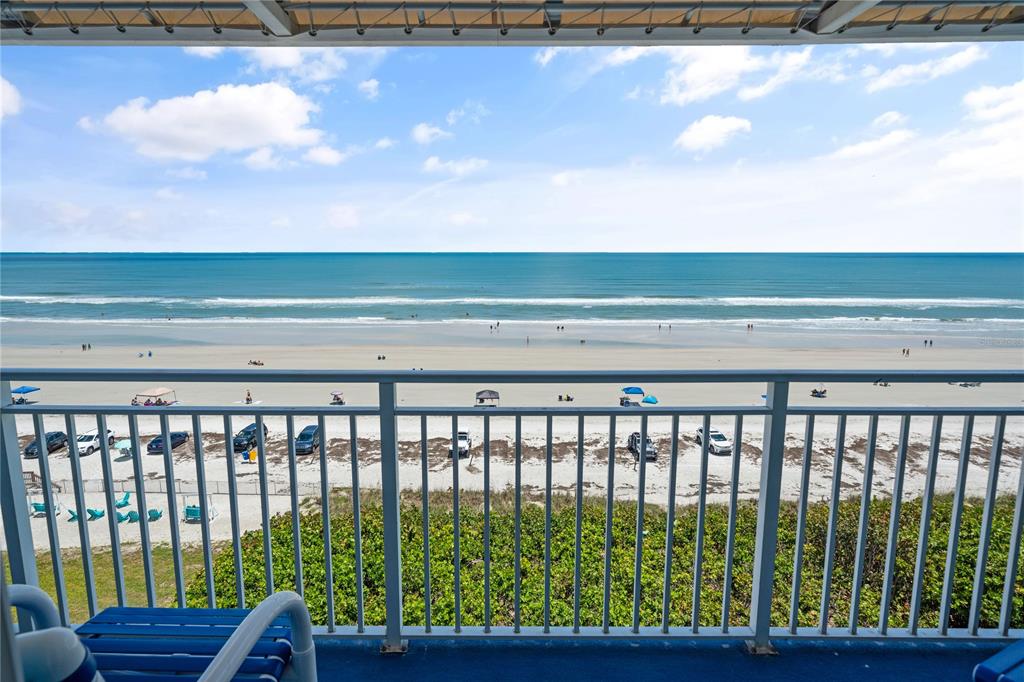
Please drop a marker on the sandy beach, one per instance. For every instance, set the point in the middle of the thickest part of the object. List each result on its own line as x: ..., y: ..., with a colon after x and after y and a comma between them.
x: 596, y: 450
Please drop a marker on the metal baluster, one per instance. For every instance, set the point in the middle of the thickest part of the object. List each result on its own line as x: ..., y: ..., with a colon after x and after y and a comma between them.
x: 518, y: 546
x: 926, y: 516
x: 487, y: 523
x: 666, y: 595
x: 393, y: 642
x: 112, y: 522
x: 609, y: 510
x: 83, y: 524
x: 767, y: 534
x: 577, y: 554
x: 862, y: 526
x: 293, y: 483
x: 261, y: 455
x: 204, y: 510
x: 991, y: 491
x: 833, y: 520
x: 1010, y: 581
x: 325, y: 508
x: 698, y: 552
x: 43, y: 450
x: 639, y: 554
x: 457, y: 532
x: 547, y: 530
x: 425, y: 492
x: 172, y: 512
x: 730, y: 541
x: 894, y: 524
x: 954, y: 524
x: 357, y: 521
x: 236, y: 533
x: 140, y: 500
x: 801, y: 525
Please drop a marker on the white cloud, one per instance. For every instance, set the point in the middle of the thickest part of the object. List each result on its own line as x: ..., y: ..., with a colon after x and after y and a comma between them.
x: 385, y: 143
x: 711, y: 132
x: 87, y: 124
x: 990, y: 103
x: 456, y: 167
x: 306, y: 64
x: 565, y: 178
x: 878, y: 145
x: 699, y: 74
x: 544, y: 55
x: 325, y: 155
x: 471, y: 110
x: 461, y: 218
x: 907, y: 74
x: 263, y: 159
x: 789, y: 66
x: 187, y: 173
x: 425, y: 133
x: 68, y: 213
x: 342, y: 216
x: 10, y: 99
x: 890, y: 119
x: 168, y: 194
x: 370, y: 88
x: 231, y: 118
x: 204, y: 51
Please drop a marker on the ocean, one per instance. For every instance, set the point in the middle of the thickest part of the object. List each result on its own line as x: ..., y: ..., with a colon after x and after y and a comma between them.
x: 927, y: 293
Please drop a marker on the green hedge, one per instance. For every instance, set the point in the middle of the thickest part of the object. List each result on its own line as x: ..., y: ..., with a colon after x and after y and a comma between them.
x: 623, y: 553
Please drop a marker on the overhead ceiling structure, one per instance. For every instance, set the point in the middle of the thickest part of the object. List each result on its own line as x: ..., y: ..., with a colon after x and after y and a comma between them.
x: 513, y: 22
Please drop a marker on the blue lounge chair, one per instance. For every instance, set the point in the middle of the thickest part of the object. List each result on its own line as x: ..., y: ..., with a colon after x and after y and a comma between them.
x: 121, y: 518
x: 39, y: 508
x: 133, y: 516
x: 272, y: 641
x: 1006, y: 666
x: 155, y: 514
x: 193, y: 513
x: 74, y: 514
x: 123, y: 502
x: 95, y: 514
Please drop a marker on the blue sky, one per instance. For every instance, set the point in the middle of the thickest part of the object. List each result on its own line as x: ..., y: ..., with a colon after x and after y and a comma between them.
x: 830, y: 148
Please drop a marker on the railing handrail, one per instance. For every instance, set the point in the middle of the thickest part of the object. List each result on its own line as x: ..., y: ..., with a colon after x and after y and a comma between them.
x: 510, y: 376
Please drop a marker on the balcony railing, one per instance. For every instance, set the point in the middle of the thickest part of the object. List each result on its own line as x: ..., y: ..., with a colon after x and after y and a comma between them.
x: 776, y: 411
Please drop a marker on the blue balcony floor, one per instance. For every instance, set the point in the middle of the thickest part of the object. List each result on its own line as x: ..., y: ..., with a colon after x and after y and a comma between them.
x: 720, y: 661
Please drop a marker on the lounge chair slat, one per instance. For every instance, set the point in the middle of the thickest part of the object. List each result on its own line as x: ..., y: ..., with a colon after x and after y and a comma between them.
x: 190, y: 645
x: 168, y: 616
x: 140, y: 664
x: 154, y: 630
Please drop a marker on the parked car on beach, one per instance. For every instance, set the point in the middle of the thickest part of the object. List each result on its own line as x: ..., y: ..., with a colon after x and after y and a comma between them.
x: 718, y: 444
x: 156, y: 446
x: 465, y: 444
x: 90, y: 441
x: 55, y: 440
x: 308, y: 440
x: 245, y: 440
x: 650, y: 452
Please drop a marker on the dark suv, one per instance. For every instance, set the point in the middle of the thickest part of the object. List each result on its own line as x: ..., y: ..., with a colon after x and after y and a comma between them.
x: 245, y: 440
x: 634, y: 446
x: 308, y: 440
x: 55, y: 440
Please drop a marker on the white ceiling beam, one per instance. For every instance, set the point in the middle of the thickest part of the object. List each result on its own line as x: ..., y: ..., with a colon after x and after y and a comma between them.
x: 274, y: 17
x: 839, y: 14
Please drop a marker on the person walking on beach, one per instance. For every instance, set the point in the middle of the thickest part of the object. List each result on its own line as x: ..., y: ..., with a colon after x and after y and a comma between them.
x: 248, y: 398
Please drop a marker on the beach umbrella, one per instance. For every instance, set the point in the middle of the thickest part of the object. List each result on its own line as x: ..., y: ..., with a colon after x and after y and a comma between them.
x: 23, y: 390
x: 633, y: 390
x: 650, y: 400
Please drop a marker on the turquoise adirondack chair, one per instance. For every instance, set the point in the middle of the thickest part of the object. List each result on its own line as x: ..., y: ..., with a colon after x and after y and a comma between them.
x: 193, y: 513
x: 123, y: 502
x: 121, y: 518
x: 74, y: 514
x: 155, y: 514
x: 133, y: 517
x: 95, y: 514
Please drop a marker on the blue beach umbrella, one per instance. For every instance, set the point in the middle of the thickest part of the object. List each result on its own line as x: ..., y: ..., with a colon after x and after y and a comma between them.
x: 633, y: 390
x: 23, y: 390
x: 650, y: 400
